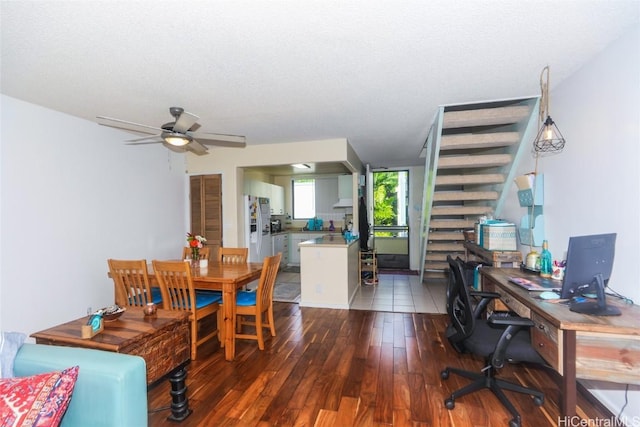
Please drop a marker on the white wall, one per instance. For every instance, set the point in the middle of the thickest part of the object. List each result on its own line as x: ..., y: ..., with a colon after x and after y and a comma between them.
x: 72, y: 196
x: 593, y: 186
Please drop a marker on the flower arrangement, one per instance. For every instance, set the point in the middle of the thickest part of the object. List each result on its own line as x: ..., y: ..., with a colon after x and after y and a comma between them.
x: 195, y: 243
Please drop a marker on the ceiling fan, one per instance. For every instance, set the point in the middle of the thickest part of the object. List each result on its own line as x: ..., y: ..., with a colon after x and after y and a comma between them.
x: 178, y: 136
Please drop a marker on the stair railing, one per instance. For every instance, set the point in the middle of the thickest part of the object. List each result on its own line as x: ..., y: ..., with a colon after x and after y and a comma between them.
x: 432, y: 154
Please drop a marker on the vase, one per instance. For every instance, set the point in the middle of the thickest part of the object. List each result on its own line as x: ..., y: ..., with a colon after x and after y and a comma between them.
x: 195, y: 254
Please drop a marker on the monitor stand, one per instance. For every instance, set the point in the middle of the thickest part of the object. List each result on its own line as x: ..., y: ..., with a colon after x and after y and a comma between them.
x: 599, y: 307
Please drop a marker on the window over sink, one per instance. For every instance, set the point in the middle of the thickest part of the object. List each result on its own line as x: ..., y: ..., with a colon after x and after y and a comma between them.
x: 304, y: 198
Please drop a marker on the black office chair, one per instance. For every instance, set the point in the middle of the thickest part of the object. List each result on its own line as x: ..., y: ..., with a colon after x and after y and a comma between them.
x: 502, y: 337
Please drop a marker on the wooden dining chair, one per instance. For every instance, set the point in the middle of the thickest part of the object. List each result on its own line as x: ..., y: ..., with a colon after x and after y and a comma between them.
x: 178, y: 293
x: 257, y: 304
x: 131, y: 283
x: 233, y: 255
x: 204, y: 253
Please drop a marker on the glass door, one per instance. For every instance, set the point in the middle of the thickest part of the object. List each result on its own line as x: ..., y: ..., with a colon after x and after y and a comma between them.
x: 390, y: 218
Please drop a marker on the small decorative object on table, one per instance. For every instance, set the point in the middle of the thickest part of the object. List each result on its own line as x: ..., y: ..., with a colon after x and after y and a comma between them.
x: 111, y: 313
x: 546, y: 266
x: 558, y: 269
x: 94, y: 326
x: 195, y: 243
x: 150, y: 309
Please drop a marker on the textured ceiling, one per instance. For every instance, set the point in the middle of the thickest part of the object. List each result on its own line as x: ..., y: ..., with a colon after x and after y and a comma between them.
x: 372, y: 71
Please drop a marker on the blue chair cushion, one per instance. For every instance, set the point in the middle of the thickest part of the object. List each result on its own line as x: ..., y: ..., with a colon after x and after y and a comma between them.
x: 156, y: 296
x: 246, y: 298
x: 205, y: 298
x: 218, y: 293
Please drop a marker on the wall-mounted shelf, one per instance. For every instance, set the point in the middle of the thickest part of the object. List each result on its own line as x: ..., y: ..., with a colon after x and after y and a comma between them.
x: 533, y: 190
x: 531, y: 196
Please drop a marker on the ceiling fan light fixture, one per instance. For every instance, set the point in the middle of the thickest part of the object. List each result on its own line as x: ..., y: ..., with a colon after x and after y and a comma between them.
x: 176, y: 139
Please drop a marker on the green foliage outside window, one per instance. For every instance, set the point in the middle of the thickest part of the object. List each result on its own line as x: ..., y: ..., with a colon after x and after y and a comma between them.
x: 385, y: 197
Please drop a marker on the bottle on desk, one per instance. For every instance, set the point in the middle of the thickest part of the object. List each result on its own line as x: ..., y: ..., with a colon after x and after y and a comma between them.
x: 546, y: 262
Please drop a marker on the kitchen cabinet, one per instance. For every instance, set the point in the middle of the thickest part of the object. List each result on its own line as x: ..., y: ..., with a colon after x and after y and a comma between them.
x: 345, y: 192
x: 328, y: 272
x: 294, y: 250
x: 257, y: 188
x: 281, y: 244
x: 274, y: 193
x: 205, y: 194
x: 345, y: 187
x: 276, y: 199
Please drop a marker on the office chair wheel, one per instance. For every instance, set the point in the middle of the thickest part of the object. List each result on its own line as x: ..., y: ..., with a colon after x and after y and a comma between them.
x: 444, y: 374
x: 514, y: 422
x: 449, y: 403
x: 538, y: 401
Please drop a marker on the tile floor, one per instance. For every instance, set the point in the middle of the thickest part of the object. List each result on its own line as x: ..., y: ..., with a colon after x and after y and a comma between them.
x: 396, y: 293
x: 402, y: 294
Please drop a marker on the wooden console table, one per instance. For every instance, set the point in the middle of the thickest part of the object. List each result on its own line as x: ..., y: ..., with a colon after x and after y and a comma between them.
x: 493, y: 258
x: 162, y: 340
x: 575, y: 345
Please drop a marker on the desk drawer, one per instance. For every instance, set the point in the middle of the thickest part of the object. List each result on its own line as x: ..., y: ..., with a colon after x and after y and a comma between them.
x: 513, y: 304
x: 546, y: 341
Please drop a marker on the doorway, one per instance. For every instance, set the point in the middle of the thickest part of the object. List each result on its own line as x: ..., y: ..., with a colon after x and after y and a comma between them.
x: 390, y: 218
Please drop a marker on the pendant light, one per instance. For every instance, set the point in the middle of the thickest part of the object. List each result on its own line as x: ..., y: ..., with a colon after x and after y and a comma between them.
x: 549, y: 139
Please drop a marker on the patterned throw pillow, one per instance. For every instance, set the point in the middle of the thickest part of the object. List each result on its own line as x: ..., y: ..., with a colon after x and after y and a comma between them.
x: 39, y: 400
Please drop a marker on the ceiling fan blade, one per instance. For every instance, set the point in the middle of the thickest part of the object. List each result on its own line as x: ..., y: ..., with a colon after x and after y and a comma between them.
x: 156, y: 141
x: 125, y: 125
x: 197, y: 148
x: 219, y: 139
x: 144, y: 138
x: 184, y: 122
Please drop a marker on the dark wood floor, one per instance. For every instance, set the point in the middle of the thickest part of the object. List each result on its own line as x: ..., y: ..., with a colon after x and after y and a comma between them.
x: 350, y: 368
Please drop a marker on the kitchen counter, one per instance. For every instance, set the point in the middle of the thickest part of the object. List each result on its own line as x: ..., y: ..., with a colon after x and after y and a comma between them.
x: 299, y: 230
x: 328, y: 240
x: 328, y: 271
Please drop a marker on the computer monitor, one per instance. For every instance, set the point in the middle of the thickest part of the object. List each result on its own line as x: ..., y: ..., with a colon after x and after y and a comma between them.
x: 589, y: 266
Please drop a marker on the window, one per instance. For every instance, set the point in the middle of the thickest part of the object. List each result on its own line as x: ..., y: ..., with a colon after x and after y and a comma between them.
x: 304, y: 198
x: 390, y: 218
x: 390, y: 194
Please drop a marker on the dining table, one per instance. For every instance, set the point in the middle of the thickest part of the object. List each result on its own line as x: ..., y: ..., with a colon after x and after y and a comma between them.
x: 228, y: 278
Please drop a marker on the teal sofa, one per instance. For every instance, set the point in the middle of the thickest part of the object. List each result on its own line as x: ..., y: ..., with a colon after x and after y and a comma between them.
x: 111, y: 389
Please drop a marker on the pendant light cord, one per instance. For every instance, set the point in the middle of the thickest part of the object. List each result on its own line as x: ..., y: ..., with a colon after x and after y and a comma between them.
x: 533, y: 204
x: 544, y: 94
x: 543, y: 113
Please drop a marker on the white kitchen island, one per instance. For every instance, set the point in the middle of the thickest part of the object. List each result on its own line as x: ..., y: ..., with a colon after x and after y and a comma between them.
x: 328, y: 271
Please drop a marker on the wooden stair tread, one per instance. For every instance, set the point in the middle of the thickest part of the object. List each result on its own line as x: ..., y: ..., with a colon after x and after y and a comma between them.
x: 442, y: 256
x: 440, y: 224
x: 485, y: 116
x: 446, y: 235
x: 440, y: 196
x: 460, y: 210
x: 467, y: 141
x: 474, y: 161
x: 444, y: 247
x: 436, y: 266
x: 470, y: 179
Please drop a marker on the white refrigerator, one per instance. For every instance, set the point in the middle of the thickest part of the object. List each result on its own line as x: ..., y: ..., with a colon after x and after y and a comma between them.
x: 258, y: 227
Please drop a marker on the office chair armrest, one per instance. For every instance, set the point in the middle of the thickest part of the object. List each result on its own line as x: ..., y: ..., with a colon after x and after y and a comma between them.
x: 484, y: 294
x: 514, y: 324
x: 485, y: 299
x: 505, y: 319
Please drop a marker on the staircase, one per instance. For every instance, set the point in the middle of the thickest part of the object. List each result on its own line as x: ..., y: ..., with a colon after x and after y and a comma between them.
x: 471, y: 155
